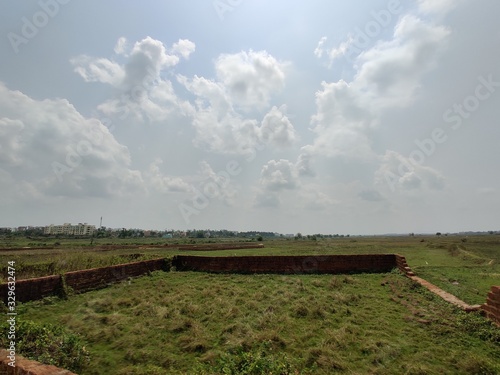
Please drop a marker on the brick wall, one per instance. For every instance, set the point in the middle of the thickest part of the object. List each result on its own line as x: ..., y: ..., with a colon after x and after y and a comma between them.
x: 403, y: 266
x: 221, y: 246
x: 95, y: 278
x: 492, y: 305
x: 80, y: 281
x: 287, y: 264
x: 32, y: 289
x: 27, y: 367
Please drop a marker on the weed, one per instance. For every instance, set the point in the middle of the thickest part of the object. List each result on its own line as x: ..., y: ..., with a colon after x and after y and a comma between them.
x: 49, y: 344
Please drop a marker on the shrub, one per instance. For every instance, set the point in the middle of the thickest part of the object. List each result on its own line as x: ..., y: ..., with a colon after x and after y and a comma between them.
x: 49, y: 344
x: 258, y: 360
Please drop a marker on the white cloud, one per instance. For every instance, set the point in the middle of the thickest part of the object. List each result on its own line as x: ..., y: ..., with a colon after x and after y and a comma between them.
x: 439, y: 7
x: 278, y: 175
x: 165, y: 184
x: 277, y: 129
x: 388, y: 76
x: 54, y: 150
x: 397, y: 172
x: 391, y: 72
x: 98, y: 70
x: 121, y: 46
x: 11, y: 145
x: 143, y: 93
x: 184, y: 48
x: 319, y: 50
x: 221, y: 129
x: 251, y: 78
x: 217, y: 185
x: 303, y: 164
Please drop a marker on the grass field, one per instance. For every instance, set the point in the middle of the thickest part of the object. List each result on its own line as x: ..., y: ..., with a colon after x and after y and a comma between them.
x: 466, y: 269
x: 198, y: 323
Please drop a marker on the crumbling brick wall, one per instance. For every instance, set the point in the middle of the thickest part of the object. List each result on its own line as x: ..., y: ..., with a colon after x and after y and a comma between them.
x: 25, y: 366
x: 492, y: 305
x: 33, y: 289
x: 403, y: 266
x: 95, y: 278
x: 80, y: 281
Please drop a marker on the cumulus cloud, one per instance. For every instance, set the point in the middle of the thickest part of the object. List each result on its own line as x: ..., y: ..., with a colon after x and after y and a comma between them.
x: 388, y: 76
x: 163, y: 183
x: 303, y: 164
x: 320, y: 48
x: 251, y: 78
x: 54, y: 150
x: 283, y: 174
x: 143, y: 93
x: 220, y: 128
x: 98, y: 70
x: 277, y: 129
x: 439, y: 7
x: 397, y: 172
x: 216, y: 185
x: 392, y: 71
x: 121, y: 46
x: 184, y: 48
x: 332, y: 53
x: 278, y: 175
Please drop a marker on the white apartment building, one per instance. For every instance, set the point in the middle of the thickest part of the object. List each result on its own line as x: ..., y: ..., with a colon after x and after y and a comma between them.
x: 70, y: 230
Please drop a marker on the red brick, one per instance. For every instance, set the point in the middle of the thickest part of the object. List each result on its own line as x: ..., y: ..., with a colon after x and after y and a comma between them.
x: 495, y: 289
x: 27, y: 367
x: 288, y: 264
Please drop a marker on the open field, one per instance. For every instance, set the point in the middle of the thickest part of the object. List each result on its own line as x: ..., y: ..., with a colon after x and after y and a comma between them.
x: 199, y: 323
x: 466, y: 269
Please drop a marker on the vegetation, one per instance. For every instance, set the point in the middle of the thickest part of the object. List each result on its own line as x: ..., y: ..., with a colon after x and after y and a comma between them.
x: 466, y: 269
x: 188, y: 323
x: 48, y: 344
x: 199, y: 323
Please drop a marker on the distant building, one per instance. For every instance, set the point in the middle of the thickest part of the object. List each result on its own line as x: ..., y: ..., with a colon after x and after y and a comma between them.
x: 70, y: 230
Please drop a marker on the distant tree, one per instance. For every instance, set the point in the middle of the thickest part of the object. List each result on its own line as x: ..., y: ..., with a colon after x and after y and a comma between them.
x: 438, y: 234
x: 260, y: 239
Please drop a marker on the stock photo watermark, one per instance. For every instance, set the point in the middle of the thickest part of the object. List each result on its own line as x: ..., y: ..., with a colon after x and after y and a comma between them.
x: 31, y: 26
x: 379, y: 21
x: 11, y: 313
x: 455, y: 115
x: 137, y: 94
x: 223, y: 6
x: 211, y: 189
x: 75, y: 154
x: 358, y: 40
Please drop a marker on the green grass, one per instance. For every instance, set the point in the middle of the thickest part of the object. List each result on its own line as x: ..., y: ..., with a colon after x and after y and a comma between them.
x: 466, y: 269
x: 198, y: 323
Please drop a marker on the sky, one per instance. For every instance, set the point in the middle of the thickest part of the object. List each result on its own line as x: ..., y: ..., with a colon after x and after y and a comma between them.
x: 324, y: 116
